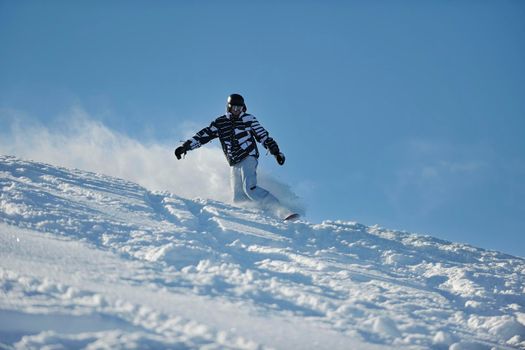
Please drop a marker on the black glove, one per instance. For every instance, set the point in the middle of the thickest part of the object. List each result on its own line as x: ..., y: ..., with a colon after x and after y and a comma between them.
x: 181, y: 150
x: 280, y: 158
x: 271, y: 145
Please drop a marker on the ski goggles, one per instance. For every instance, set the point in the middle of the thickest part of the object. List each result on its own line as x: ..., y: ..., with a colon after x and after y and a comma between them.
x: 235, y: 108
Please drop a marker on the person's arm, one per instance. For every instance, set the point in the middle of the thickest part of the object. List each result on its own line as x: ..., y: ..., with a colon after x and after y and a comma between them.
x: 262, y: 136
x: 202, y: 137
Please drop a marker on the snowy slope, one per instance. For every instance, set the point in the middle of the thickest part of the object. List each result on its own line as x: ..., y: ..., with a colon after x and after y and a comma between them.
x: 90, y: 261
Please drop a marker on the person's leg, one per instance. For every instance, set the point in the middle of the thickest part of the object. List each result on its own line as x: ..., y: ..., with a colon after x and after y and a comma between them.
x: 236, y: 184
x: 249, y: 179
x: 256, y: 193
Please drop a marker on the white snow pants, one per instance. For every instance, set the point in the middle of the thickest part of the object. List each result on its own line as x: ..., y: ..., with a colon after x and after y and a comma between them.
x: 243, y: 178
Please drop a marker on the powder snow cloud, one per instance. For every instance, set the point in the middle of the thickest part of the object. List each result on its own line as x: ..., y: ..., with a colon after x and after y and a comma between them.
x: 77, y: 140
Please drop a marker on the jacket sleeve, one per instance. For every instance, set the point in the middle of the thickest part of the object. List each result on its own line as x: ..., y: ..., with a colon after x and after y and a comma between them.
x: 256, y: 129
x: 261, y: 135
x: 204, y: 136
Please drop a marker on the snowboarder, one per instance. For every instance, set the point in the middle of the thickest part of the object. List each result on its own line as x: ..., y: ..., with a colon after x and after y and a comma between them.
x: 238, y: 132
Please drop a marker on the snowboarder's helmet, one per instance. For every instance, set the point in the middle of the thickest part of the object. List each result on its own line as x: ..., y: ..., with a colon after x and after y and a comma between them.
x: 236, y: 100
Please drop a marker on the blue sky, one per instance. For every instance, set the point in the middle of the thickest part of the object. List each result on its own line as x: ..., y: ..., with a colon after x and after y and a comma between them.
x: 406, y: 114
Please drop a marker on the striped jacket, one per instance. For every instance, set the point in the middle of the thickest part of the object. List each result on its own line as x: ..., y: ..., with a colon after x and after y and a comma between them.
x: 237, y: 137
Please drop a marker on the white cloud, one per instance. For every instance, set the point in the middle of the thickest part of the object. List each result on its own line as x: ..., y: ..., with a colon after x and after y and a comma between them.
x: 76, y: 140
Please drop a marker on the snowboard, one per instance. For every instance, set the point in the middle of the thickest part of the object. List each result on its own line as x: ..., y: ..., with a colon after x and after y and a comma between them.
x: 292, y: 217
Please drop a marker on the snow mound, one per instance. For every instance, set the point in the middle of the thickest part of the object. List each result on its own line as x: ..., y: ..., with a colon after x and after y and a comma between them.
x: 91, y: 261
